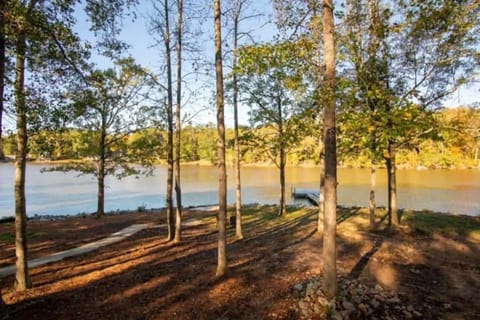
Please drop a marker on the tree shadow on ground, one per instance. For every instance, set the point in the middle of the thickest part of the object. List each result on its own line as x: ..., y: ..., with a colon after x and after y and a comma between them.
x: 162, y: 282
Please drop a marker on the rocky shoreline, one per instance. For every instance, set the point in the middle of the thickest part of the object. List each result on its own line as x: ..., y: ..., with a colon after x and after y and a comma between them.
x: 355, y: 301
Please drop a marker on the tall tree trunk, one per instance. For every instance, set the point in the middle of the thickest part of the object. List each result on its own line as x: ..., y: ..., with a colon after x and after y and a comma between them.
x: 371, y: 203
x: 317, y: 33
x: 101, y: 173
x: 169, y: 200
x: 22, y: 280
x: 2, y: 74
x: 283, y: 160
x: 330, y: 221
x: 370, y: 79
x: 282, y: 210
x: 238, y: 184
x: 392, y: 185
x: 178, y: 118
x: 222, y: 173
x: 321, y: 193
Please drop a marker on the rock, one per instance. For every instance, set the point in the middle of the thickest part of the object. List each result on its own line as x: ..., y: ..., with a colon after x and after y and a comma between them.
x: 348, y: 305
x: 447, y: 306
x: 379, y: 297
x: 378, y: 288
x: 363, y: 308
x: 417, y: 314
x: 395, y: 299
x: 311, y: 289
x: 375, y: 304
x: 346, y: 314
x: 317, y: 309
x: 298, y: 291
x: 322, y: 301
x: 407, y: 315
x: 337, y: 315
x: 410, y: 308
x: 303, y: 306
x: 355, y: 298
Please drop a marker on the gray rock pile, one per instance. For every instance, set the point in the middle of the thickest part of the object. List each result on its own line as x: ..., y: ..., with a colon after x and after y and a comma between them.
x: 354, y: 301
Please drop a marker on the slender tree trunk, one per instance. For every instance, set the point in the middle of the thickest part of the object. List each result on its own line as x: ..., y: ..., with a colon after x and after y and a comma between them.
x: 169, y: 200
x: 330, y: 221
x: 2, y: 74
x: 392, y: 185
x: 178, y: 189
x: 282, y: 210
x: 321, y: 194
x: 101, y: 174
x: 238, y: 184
x: 283, y: 160
x: 222, y: 173
x: 317, y: 33
x: 371, y: 203
x: 22, y: 280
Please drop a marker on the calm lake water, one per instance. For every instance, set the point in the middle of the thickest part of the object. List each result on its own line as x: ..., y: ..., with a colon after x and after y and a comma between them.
x: 57, y: 193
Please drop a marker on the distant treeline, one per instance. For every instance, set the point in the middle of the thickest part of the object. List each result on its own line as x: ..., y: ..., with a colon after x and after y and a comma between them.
x: 454, y: 143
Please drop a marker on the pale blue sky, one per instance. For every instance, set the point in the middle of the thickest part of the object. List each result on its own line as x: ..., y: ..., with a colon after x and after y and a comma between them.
x: 136, y: 35
x: 141, y: 48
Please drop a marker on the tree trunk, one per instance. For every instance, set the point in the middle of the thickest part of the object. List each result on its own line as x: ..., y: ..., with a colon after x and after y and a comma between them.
x: 321, y: 194
x: 282, y: 210
x: 169, y: 200
x: 371, y: 203
x: 393, y: 216
x: 2, y: 74
x: 317, y: 33
x: 178, y: 189
x: 330, y: 221
x: 101, y: 173
x: 222, y: 174
x: 283, y: 160
x: 22, y: 280
x: 238, y: 185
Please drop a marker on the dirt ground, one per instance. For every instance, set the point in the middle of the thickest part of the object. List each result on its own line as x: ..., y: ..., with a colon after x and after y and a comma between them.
x: 145, y: 277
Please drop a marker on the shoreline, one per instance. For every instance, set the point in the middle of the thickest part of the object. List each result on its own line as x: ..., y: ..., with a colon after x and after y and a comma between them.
x: 214, y: 207
x: 207, y: 163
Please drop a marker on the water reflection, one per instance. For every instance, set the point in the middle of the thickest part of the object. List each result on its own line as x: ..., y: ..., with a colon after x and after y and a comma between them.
x: 455, y: 191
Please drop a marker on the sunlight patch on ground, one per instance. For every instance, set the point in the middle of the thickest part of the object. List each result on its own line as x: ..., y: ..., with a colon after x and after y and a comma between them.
x: 127, y: 293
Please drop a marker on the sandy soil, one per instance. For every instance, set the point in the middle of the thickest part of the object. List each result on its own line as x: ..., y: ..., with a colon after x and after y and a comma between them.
x: 144, y: 277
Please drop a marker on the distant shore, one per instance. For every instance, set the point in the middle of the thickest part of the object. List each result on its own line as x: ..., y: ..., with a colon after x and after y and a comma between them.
x: 207, y: 163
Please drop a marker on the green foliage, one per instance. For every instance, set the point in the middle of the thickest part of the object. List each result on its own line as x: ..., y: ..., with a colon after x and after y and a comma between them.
x: 272, y: 82
x: 455, y: 143
x: 110, y: 113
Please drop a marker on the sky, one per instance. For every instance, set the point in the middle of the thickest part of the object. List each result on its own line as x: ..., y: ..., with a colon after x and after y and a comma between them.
x: 142, y: 49
x: 136, y: 35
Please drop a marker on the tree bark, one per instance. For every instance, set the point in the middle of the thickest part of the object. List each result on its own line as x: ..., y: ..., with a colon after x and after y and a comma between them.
x: 238, y: 184
x: 2, y: 74
x: 330, y: 221
x: 282, y: 210
x: 22, y: 280
x: 178, y: 189
x: 101, y: 172
x: 371, y: 203
x: 321, y: 194
x: 392, y: 185
x: 222, y: 174
x: 169, y: 200
x: 283, y: 160
x: 317, y: 33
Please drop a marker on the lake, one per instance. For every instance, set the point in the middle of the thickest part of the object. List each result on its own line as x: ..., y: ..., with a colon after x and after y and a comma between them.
x: 57, y: 193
